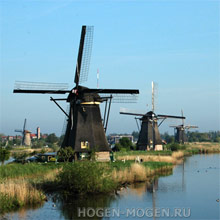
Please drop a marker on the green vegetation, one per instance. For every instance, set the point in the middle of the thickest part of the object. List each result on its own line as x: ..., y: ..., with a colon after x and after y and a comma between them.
x: 211, y: 136
x: 8, y: 203
x: 175, y: 147
x: 124, y: 145
x: 128, y: 153
x: 86, y: 177
x: 4, y: 155
x: 65, y: 154
x: 19, y: 170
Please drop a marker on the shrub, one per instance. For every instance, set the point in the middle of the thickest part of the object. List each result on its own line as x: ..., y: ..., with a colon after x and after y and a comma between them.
x: 175, y: 147
x: 8, y: 203
x: 86, y: 177
x: 4, y: 155
x: 65, y: 154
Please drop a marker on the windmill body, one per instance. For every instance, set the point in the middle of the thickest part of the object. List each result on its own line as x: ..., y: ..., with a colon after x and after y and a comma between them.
x: 146, y: 136
x: 27, y: 138
x: 85, y: 130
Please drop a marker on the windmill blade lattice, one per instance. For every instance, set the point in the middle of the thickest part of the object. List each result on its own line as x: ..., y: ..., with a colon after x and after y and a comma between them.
x: 84, y: 55
x: 40, y: 87
x: 121, y: 98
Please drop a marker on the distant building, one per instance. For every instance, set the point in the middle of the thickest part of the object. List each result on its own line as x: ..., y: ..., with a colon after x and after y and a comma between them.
x: 33, y: 136
x: 4, y: 138
x: 10, y: 138
x: 114, y: 139
x: 38, y: 132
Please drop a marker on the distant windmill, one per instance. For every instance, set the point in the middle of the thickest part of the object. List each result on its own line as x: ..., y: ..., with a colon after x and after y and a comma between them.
x: 85, y: 130
x: 149, y: 136
x: 179, y: 131
x: 22, y: 131
x: 26, y: 139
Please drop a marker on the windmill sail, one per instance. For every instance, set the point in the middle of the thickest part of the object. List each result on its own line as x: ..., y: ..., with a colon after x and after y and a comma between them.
x: 84, y: 55
x: 40, y: 87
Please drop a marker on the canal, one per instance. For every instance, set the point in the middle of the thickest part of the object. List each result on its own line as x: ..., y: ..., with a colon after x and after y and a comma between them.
x: 191, y: 192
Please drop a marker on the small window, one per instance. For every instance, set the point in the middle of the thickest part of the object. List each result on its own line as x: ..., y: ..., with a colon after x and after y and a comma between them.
x: 84, y: 145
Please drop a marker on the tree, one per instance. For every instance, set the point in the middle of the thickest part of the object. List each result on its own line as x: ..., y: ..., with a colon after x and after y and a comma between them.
x: 61, y: 140
x: 52, y: 138
x: 117, y: 147
x: 66, y: 153
x: 125, y: 143
x: 20, y: 156
x: 168, y: 138
x: 4, y: 155
x: 135, y: 134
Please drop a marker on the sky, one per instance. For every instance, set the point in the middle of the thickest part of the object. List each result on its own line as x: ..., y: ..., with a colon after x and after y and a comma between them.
x: 175, y: 43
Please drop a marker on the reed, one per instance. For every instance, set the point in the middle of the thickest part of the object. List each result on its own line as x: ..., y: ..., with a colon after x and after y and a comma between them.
x: 137, y: 153
x: 139, y: 172
x: 24, y: 190
x: 175, y: 158
x: 18, y: 193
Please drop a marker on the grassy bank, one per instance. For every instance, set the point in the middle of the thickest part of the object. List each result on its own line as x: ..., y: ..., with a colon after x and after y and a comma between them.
x: 15, y: 170
x: 133, y: 153
x: 92, y: 177
x: 25, y: 185
x: 18, y: 184
x: 202, y: 148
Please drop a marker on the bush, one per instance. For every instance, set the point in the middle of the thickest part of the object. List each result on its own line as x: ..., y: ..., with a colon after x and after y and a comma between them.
x: 8, y: 203
x: 175, y: 147
x: 86, y: 177
x: 65, y: 154
x: 4, y: 155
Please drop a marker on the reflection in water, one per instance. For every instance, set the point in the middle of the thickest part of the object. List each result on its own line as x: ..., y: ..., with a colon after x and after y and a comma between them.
x: 73, y: 207
x: 138, y: 189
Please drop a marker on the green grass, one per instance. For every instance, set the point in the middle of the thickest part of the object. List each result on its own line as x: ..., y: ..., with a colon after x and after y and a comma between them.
x: 21, y: 170
x: 8, y: 204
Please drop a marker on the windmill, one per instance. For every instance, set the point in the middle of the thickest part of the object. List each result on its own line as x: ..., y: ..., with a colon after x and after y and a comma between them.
x: 22, y: 131
x: 85, y: 130
x: 26, y: 138
x: 179, y: 131
x: 149, y: 136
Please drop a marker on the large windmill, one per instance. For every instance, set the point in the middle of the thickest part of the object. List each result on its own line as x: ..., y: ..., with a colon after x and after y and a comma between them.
x: 179, y: 131
x: 149, y: 136
x: 85, y: 130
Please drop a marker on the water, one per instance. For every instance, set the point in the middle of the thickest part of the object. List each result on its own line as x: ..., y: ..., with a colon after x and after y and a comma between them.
x: 11, y: 159
x: 193, y: 188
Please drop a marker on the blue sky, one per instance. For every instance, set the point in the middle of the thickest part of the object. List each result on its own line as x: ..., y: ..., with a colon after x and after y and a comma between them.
x: 175, y: 43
